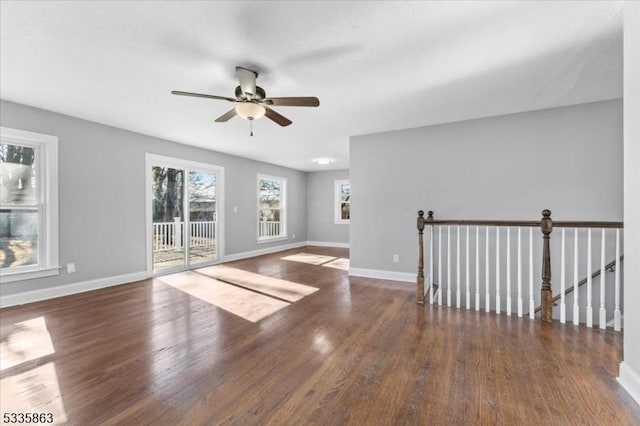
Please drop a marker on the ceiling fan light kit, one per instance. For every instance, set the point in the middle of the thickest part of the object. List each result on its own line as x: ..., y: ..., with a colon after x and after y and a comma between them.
x: 251, y: 101
x: 250, y: 110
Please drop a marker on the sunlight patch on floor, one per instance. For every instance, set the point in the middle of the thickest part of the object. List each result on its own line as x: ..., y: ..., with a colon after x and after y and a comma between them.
x: 243, y: 303
x: 23, y: 342
x: 340, y: 263
x: 312, y: 259
x: 275, y: 287
x: 28, y: 379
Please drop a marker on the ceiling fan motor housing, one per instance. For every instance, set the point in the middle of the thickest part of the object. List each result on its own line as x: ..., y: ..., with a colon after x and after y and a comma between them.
x: 258, y: 96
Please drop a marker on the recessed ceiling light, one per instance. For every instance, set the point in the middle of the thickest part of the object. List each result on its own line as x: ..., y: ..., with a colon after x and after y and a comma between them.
x: 323, y: 161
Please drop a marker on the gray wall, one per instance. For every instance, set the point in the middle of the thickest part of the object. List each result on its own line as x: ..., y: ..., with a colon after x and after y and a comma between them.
x: 321, y: 224
x: 508, y: 167
x: 632, y: 192
x: 102, y: 195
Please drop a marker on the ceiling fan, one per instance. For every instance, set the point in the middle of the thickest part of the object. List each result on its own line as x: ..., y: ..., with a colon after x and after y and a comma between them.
x: 251, y: 102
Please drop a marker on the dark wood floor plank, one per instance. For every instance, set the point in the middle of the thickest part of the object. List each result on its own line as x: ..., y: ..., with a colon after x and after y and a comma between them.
x: 358, y: 351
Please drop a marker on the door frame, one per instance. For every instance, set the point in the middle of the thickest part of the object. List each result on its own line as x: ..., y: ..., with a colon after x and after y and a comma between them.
x: 152, y: 160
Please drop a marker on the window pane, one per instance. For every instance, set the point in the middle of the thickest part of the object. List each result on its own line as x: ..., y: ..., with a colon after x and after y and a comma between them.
x: 345, y: 211
x: 18, y: 238
x: 269, y: 214
x: 167, y: 194
x: 202, y: 195
x: 269, y: 196
x: 168, y: 217
x: 17, y: 174
x: 269, y: 223
x: 202, y: 210
x: 345, y: 192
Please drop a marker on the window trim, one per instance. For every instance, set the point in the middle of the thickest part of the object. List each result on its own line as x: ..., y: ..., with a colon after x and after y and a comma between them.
x: 337, y: 201
x: 48, y: 234
x: 283, y: 208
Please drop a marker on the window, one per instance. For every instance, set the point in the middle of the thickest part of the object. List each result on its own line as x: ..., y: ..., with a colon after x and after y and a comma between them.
x: 272, y: 196
x: 28, y: 205
x: 343, y: 202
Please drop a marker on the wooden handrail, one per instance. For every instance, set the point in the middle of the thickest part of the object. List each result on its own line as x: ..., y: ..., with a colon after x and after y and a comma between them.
x: 524, y: 223
x: 582, y: 282
x: 586, y: 224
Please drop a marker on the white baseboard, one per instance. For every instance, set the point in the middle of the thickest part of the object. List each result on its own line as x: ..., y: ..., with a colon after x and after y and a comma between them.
x: 383, y: 275
x: 327, y: 244
x: 260, y: 252
x: 69, y: 289
x: 630, y: 380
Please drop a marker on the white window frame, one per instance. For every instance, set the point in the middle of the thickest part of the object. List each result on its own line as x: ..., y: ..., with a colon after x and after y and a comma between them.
x: 337, y: 203
x: 47, y: 182
x: 283, y: 208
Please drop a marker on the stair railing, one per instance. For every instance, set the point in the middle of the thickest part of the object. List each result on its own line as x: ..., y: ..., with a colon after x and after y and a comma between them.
x: 461, y: 288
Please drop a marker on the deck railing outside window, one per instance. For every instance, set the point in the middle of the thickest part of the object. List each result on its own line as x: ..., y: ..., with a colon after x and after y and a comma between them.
x: 268, y: 228
x: 169, y: 235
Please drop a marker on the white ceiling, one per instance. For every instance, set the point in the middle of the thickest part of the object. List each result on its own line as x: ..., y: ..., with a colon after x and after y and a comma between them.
x: 375, y: 66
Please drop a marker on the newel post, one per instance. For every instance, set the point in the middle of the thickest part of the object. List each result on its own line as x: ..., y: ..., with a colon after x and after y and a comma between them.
x: 420, y: 279
x: 546, y: 297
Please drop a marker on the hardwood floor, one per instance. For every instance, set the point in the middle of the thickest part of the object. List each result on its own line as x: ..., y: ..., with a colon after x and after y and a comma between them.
x: 357, y: 351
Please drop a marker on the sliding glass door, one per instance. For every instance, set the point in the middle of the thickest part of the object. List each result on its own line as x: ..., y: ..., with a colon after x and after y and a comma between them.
x: 184, y: 200
x: 202, y: 216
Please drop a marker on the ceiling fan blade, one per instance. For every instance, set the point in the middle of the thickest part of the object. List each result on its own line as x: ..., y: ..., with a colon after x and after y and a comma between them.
x: 227, y: 116
x: 276, y: 117
x: 200, y: 95
x: 299, y: 101
x: 247, y: 80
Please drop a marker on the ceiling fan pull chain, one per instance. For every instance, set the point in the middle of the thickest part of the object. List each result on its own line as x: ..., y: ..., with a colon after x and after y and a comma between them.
x: 251, y: 127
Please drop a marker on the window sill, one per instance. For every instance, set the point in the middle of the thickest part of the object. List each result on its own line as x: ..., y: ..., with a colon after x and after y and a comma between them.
x: 8, y: 277
x: 271, y: 239
x: 342, y: 222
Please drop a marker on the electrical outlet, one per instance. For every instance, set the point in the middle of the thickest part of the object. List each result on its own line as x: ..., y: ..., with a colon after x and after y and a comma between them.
x: 71, y: 268
x: 293, y: 236
x: 396, y: 258
x: 235, y: 209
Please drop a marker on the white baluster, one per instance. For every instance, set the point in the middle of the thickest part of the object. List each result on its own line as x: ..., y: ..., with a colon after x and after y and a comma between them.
x: 563, y: 306
x: 520, y: 307
x: 589, y: 283
x: 603, y: 282
x: 497, y: 269
x: 576, y: 279
x: 439, y: 265
x: 487, y: 299
x: 467, y: 274
x: 617, y: 317
x: 532, y: 307
x: 458, y: 267
x: 449, y: 280
x: 477, y: 268
x: 508, y: 271
x: 431, y: 276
